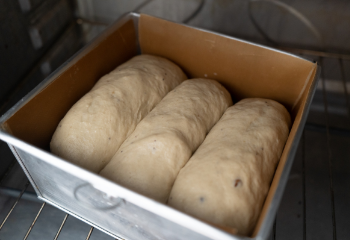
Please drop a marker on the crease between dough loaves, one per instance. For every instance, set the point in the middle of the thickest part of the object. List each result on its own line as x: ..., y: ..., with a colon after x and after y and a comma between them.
x: 94, y: 128
x: 151, y: 157
x: 227, y: 179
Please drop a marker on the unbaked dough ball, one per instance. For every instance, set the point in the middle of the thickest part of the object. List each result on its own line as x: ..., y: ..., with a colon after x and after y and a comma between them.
x: 227, y: 179
x: 95, y: 127
x: 150, y: 159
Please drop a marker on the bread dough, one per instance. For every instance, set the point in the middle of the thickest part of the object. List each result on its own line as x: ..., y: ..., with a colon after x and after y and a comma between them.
x: 227, y: 179
x: 95, y: 127
x: 150, y: 159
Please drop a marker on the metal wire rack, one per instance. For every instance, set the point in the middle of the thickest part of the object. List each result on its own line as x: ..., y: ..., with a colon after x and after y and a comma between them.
x: 313, y: 203
x: 37, y: 215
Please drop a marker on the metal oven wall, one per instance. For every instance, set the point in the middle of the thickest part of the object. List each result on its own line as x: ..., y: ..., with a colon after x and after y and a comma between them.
x: 316, y: 198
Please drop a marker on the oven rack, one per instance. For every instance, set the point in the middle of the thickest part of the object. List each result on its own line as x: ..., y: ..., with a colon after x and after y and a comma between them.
x: 308, y: 210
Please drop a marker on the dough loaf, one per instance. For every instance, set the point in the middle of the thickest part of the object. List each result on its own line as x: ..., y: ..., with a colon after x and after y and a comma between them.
x: 95, y: 127
x: 227, y: 179
x: 150, y: 159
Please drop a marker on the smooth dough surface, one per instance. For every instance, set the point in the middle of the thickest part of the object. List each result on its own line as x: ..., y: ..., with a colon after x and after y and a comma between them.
x: 95, y: 127
x: 227, y: 179
x: 150, y: 159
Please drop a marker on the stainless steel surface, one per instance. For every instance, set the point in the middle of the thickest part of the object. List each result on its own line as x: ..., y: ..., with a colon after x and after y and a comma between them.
x: 27, y: 5
x: 231, y: 17
x: 137, y: 217
x: 18, y: 56
x: 57, y: 181
x: 43, y: 29
x: 287, y: 8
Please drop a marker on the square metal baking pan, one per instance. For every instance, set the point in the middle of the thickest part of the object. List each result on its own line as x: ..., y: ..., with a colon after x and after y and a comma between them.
x: 245, y: 69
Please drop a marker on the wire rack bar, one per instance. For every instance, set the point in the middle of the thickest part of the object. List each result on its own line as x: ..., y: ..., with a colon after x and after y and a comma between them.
x: 142, y: 5
x: 316, y: 53
x: 303, y: 183
x: 329, y: 151
x: 195, y: 13
x: 342, y: 71
x: 332, y: 130
x: 274, y: 229
x: 89, y: 234
x: 34, y: 221
x: 60, y: 229
x: 13, y: 192
x: 14, y: 205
